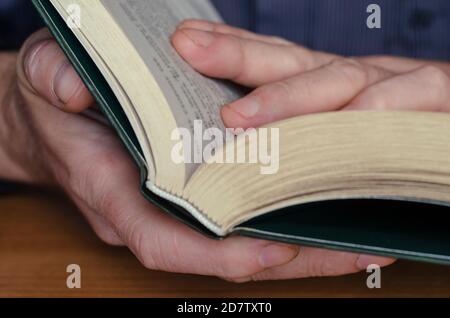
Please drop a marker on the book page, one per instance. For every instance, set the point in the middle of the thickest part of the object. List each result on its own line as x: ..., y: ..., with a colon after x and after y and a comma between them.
x: 191, y: 96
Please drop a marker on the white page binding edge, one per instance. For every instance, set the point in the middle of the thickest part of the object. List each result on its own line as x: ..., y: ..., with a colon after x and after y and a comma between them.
x: 201, y: 217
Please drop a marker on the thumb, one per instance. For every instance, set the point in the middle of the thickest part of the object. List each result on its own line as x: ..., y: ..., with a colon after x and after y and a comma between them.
x: 44, y: 69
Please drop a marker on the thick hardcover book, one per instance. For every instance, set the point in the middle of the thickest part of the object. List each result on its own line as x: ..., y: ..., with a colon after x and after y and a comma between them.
x: 384, y: 192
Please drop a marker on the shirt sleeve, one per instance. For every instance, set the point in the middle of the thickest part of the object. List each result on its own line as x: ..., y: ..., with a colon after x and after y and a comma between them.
x: 18, y: 20
x: 5, y: 187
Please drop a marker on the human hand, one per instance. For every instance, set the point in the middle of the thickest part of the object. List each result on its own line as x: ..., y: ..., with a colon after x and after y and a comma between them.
x: 290, y: 80
x: 62, y: 140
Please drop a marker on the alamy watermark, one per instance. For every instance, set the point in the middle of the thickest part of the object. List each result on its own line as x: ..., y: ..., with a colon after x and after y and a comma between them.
x: 252, y: 146
x: 374, y: 19
x: 73, y: 280
x: 74, y: 16
x: 374, y: 279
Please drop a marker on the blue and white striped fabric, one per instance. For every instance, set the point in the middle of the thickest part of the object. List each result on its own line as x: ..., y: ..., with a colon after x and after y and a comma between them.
x: 413, y: 28
x: 17, y: 21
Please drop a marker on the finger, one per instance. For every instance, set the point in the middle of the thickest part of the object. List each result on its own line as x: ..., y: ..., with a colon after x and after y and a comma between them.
x: 209, y: 26
x: 401, y: 64
x: 165, y: 244
x: 313, y: 262
x: 245, y: 61
x: 328, y: 88
x: 159, y: 241
x: 425, y: 89
x: 83, y: 157
x: 48, y: 72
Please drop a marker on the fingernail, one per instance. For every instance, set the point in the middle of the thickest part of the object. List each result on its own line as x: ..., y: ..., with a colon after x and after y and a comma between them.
x: 365, y: 260
x: 66, y: 82
x: 247, y: 107
x: 199, y: 38
x: 277, y: 254
x: 30, y: 62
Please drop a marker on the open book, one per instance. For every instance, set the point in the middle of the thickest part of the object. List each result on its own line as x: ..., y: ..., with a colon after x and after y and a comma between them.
x: 376, y: 182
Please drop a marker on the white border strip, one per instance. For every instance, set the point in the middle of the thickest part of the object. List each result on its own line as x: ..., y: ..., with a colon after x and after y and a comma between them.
x: 189, y: 207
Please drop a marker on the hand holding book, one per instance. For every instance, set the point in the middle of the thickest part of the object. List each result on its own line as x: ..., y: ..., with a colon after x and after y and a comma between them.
x: 84, y: 152
x: 141, y: 226
x: 290, y: 80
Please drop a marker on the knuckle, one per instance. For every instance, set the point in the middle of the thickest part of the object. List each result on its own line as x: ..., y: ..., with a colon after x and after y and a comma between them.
x: 153, y: 253
x: 148, y: 258
x: 243, y: 72
x: 438, y: 82
x: 346, y: 63
x: 284, y: 88
x: 371, y: 99
x: 230, y: 265
x: 101, y: 165
x: 281, y: 91
x: 106, y: 162
x: 304, y: 58
x: 92, y: 181
x: 322, y: 268
x: 232, y: 271
x: 174, y: 260
x: 139, y: 242
x: 352, y: 70
x: 434, y: 74
x: 106, y: 204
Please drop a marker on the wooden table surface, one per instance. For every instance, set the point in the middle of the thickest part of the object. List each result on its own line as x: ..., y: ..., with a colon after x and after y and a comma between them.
x: 41, y: 233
